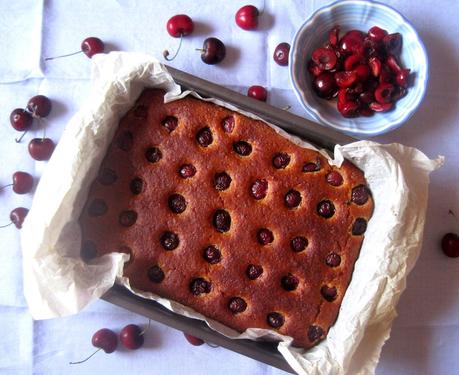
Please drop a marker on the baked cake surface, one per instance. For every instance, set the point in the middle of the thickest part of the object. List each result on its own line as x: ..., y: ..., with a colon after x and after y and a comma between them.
x: 222, y: 214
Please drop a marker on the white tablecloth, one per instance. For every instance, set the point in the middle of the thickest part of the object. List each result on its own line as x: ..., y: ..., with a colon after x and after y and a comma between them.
x: 425, y: 336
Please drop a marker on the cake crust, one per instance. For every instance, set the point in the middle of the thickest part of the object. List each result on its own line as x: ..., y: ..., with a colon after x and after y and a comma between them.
x: 224, y: 215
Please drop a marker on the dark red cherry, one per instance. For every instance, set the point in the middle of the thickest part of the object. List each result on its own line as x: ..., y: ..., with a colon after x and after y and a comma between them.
x: 281, y: 160
x: 275, y: 319
x: 333, y: 36
x: 193, y: 340
x: 89, y: 46
x: 346, y: 78
x: 352, y: 42
x: 376, y: 33
x: 290, y: 282
x: 360, y: 194
x: 131, y: 336
x: 41, y: 148
x: 18, y: 215
x: 170, y: 123
x: 180, y: 25
x: 200, y: 286
x: 105, y: 339
x: 22, y: 182
x: 257, y: 92
x: 334, y: 178
x: 349, y: 109
x: 39, y: 106
x: 324, y: 58
x: 20, y: 119
x: 333, y: 260
x: 92, y: 46
x: 324, y: 85
x: 222, y: 181
x: 213, y: 51
x: 228, y: 124
x: 383, y: 93
x: 156, y: 274
x: 212, y: 254
x: 259, y: 189
x: 298, y: 244
x: 247, y: 17
x: 265, y: 236
x: 450, y: 245
x: 205, y: 137
x: 315, y: 333
x: 177, y: 203
x: 187, y: 170
x: 242, y: 148
x: 292, y: 198
x: 222, y: 221
x: 393, y: 43
x: 254, y: 271
x: 281, y: 52
x: 237, y: 305
x: 169, y: 240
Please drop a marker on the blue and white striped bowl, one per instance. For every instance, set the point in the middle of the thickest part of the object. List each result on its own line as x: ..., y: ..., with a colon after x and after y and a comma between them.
x: 360, y: 15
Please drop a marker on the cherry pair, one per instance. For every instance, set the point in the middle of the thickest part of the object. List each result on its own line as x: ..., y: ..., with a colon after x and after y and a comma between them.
x: 38, y: 107
x: 131, y: 337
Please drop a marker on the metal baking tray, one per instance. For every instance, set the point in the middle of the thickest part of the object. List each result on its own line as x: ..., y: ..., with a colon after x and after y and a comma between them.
x: 316, y: 134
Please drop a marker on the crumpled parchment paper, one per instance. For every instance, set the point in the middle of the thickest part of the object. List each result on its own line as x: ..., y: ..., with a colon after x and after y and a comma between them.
x: 58, y: 283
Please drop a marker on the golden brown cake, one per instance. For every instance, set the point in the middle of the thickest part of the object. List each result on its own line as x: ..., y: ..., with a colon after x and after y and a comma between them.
x: 223, y: 215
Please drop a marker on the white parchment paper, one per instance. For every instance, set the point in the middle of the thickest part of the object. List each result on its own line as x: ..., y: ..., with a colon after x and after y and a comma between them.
x: 58, y: 283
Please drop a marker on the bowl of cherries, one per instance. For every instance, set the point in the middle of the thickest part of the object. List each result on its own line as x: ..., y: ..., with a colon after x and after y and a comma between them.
x: 359, y: 67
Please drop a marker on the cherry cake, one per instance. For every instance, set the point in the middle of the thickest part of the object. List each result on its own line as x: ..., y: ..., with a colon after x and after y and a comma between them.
x: 222, y: 214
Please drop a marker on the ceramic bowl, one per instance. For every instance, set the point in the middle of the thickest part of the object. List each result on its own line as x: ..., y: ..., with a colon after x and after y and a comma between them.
x: 360, y: 15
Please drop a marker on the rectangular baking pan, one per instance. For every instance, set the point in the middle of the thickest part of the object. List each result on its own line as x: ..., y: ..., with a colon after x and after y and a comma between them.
x: 314, y: 133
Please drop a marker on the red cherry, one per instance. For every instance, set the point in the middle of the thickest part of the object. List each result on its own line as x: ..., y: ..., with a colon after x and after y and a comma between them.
x: 91, y: 46
x: 104, y: 339
x: 22, y: 182
x: 281, y: 54
x: 193, y: 340
x: 41, y: 148
x: 450, y: 245
x: 324, y: 58
x: 247, y: 17
x: 17, y: 217
x: 131, y: 337
x: 376, y: 33
x: 213, y: 51
x: 20, y: 119
x: 180, y: 25
x: 381, y: 107
x: 257, y: 92
x: 39, y: 106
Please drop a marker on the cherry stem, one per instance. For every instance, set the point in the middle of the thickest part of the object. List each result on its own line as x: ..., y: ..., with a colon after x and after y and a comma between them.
x: 58, y: 57
x: 84, y: 360
x: 260, y: 12
x: 166, y: 52
x: 6, y: 225
x: 3, y: 187
x: 146, y: 329
x: 20, y: 138
x: 41, y: 121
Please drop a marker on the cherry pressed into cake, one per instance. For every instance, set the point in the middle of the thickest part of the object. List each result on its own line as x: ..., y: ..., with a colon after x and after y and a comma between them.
x: 224, y: 215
